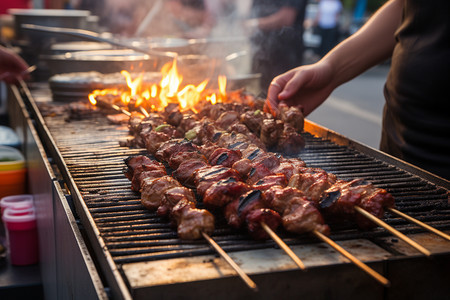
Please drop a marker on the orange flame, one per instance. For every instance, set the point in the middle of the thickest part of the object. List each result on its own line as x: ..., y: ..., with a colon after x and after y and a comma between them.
x: 158, y: 96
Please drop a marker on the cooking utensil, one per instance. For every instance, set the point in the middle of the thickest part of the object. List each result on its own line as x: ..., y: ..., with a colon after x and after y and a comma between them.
x: 147, y: 47
x: 90, y: 35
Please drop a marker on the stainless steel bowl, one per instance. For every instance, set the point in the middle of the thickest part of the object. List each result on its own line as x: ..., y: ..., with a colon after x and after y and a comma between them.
x: 103, y: 61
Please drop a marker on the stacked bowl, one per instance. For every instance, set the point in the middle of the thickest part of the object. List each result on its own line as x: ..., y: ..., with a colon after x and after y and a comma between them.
x: 13, y: 172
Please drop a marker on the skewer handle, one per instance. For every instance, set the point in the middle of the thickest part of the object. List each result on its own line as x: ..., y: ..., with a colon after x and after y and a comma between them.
x: 393, y: 231
x: 231, y: 262
x: 426, y: 226
x: 125, y: 112
x: 283, y: 246
x: 352, y: 258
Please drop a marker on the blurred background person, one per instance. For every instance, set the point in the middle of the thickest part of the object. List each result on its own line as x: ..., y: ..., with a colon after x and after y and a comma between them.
x: 416, y: 37
x: 327, y: 22
x: 175, y: 18
x: 276, y: 29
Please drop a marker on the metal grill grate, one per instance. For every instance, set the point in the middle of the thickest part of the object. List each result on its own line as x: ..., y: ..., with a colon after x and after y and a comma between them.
x: 91, y: 151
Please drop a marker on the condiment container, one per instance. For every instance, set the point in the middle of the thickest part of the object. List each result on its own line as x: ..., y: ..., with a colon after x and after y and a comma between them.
x: 13, y: 172
x: 20, y: 222
x: 15, y: 200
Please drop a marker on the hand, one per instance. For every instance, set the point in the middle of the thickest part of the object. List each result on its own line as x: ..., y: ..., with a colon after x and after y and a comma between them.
x: 12, y: 66
x: 308, y: 86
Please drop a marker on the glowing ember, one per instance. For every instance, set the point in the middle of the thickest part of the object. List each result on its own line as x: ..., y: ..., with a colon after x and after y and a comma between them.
x: 158, y: 96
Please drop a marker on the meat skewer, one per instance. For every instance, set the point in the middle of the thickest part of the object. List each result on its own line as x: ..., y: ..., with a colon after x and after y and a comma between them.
x: 372, y: 199
x: 258, y: 220
x: 178, y: 202
x: 319, y: 180
x: 218, y: 193
x: 360, y: 198
x: 162, y: 193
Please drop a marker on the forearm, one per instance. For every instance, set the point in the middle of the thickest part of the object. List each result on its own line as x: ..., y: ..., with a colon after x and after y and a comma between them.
x: 372, y: 44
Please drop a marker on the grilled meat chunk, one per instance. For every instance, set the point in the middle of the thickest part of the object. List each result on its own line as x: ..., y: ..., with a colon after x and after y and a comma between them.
x: 222, y: 192
x: 153, y: 189
x: 153, y: 140
x: 292, y: 116
x: 146, y: 171
x: 224, y: 157
x: 182, y: 156
x: 172, y: 196
x: 249, y: 209
x: 191, y: 222
x: 268, y: 159
x: 171, y: 147
x: 312, y: 182
x: 287, y: 169
x: 185, y: 173
x: 257, y: 173
x: 253, y: 120
x: 207, y: 176
x: 269, y: 181
x: 188, y: 122
x: 133, y: 162
x: 302, y: 216
x: 298, y: 215
x: 227, y: 118
x: 172, y: 114
x: 243, y: 167
x: 256, y: 217
x: 341, y: 198
x: 271, y: 130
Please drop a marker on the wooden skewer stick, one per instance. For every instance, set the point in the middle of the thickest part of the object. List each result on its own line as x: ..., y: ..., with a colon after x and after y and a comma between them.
x: 393, y: 231
x: 352, y: 258
x: 126, y: 112
x: 143, y: 111
x: 283, y: 246
x: 426, y: 226
x: 231, y: 262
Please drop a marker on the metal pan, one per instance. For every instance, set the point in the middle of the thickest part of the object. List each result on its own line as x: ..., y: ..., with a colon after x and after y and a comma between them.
x: 103, y: 61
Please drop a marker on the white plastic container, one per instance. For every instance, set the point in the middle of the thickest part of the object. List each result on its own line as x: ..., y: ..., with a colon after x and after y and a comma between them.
x: 16, y: 200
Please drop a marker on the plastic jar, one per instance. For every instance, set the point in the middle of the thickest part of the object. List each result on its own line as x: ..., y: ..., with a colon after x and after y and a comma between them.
x: 20, y: 222
x: 11, y: 201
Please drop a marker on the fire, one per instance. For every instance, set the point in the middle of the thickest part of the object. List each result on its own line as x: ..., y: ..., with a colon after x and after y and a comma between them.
x: 157, y: 96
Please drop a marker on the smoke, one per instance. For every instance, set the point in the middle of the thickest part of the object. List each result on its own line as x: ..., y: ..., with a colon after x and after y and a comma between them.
x: 219, y: 21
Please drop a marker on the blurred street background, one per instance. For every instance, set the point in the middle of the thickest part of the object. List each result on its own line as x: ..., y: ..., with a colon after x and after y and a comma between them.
x: 355, y: 108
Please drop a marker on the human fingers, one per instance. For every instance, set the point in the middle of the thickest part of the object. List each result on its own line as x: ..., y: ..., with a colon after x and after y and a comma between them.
x: 271, y: 104
x: 294, y: 83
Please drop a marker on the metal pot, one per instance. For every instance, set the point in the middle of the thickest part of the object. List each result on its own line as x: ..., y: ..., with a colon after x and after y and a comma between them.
x: 47, y: 17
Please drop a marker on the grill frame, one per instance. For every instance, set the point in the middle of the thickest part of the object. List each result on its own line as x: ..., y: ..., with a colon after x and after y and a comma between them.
x: 114, y: 274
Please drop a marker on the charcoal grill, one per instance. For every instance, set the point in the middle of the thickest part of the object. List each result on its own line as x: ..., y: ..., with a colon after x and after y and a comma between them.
x: 138, y: 255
